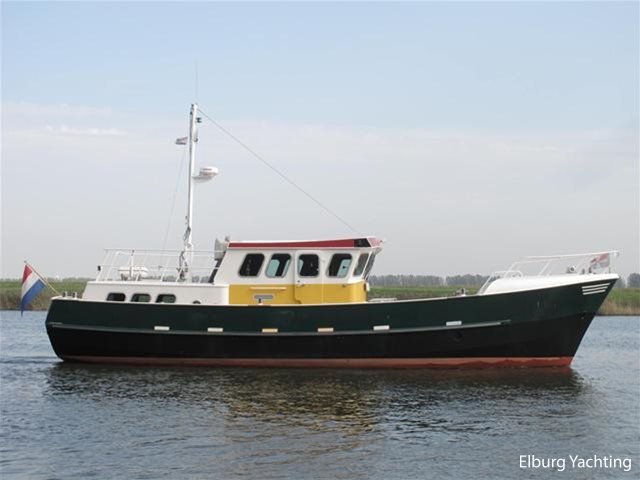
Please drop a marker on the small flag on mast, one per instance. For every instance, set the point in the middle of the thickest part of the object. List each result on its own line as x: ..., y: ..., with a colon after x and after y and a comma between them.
x: 182, y: 140
x: 31, y: 286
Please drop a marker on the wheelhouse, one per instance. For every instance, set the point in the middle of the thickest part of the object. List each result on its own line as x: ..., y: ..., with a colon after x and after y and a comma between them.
x: 330, y: 271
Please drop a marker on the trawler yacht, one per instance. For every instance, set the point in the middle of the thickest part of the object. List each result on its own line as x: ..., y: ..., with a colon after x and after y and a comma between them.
x: 303, y: 303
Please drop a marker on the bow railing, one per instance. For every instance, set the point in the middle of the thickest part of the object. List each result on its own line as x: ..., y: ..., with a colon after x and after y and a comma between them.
x: 581, y: 263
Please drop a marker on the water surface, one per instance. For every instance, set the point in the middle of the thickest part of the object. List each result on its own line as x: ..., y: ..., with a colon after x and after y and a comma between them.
x: 64, y: 420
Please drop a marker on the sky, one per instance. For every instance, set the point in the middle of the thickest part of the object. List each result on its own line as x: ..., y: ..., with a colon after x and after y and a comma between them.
x: 467, y: 135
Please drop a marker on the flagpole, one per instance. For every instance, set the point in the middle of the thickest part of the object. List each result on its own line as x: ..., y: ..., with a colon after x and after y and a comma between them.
x: 42, y: 278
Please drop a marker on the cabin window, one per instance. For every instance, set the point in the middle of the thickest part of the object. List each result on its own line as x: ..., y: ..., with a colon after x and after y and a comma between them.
x: 362, y: 262
x: 141, y: 297
x: 308, y: 265
x: 339, y: 266
x: 369, y: 265
x: 251, y: 265
x: 166, y: 298
x: 115, y: 297
x: 278, y: 265
x: 215, y: 270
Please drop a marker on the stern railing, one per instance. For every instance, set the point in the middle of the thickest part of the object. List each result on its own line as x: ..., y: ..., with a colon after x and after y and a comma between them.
x: 157, y: 265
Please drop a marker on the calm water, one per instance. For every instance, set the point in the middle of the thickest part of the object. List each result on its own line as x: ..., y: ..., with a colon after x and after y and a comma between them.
x: 72, y: 421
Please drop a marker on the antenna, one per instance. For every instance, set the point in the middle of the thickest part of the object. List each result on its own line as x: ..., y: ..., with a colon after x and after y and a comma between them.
x: 196, y: 96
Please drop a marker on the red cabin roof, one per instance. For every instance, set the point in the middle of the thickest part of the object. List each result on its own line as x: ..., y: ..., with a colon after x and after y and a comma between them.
x: 301, y: 244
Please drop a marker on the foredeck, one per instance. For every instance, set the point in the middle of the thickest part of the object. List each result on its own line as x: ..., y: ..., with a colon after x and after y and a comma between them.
x: 553, y: 270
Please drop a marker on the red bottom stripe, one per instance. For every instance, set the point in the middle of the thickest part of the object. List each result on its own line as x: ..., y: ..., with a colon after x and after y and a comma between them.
x: 469, y: 362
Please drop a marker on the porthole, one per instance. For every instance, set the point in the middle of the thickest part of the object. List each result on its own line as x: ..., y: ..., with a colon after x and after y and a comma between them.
x: 141, y: 297
x: 166, y: 298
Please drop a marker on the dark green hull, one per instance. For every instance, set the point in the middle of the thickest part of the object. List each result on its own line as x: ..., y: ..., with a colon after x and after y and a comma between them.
x: 536, y: 327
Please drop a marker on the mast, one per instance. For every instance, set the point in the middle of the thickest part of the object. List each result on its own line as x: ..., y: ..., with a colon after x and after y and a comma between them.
x: 193, y: 138
x: 206, y: 173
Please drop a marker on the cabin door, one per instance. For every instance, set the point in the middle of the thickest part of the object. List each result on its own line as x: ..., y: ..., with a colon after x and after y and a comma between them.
x: 308, y: 278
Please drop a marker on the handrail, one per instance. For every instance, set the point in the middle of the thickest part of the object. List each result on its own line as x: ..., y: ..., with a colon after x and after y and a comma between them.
x: 593, y: 262
x: 155, y: 265
x: 615, y: 253
x: 158, y: 250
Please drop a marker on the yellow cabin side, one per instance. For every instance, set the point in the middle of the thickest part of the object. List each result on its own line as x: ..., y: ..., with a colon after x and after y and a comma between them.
x: 301, y: 294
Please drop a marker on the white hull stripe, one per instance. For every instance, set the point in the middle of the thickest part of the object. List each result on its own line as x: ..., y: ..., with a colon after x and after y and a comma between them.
x: 594, y: 292
x: 274, y: 330
x: 595, y: 287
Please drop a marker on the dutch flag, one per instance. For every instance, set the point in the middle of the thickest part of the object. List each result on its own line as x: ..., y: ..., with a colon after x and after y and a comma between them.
x: 31, y: 286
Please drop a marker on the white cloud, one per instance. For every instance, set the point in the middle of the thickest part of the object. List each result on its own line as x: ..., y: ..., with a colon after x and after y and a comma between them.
x: 37, y: 110
x: 90, y: 131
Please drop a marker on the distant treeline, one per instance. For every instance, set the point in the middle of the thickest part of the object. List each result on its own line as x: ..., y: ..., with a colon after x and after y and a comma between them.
x: 467, y: 280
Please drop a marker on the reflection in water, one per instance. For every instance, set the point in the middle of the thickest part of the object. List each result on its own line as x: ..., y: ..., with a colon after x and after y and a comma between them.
x: 314, y: 398
x: 197, y: 383
x: 266, y: 420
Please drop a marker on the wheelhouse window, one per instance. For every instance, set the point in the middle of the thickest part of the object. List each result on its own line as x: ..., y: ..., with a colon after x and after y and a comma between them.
x: 362, y: 262
x: 278, y: 265
x: 115, y: 297
x: 251, y: 265
x: 166, y: 298
x: 339, y: 265
x: 367, y: 270
x: 308, y: 265
x: 141, y: 297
